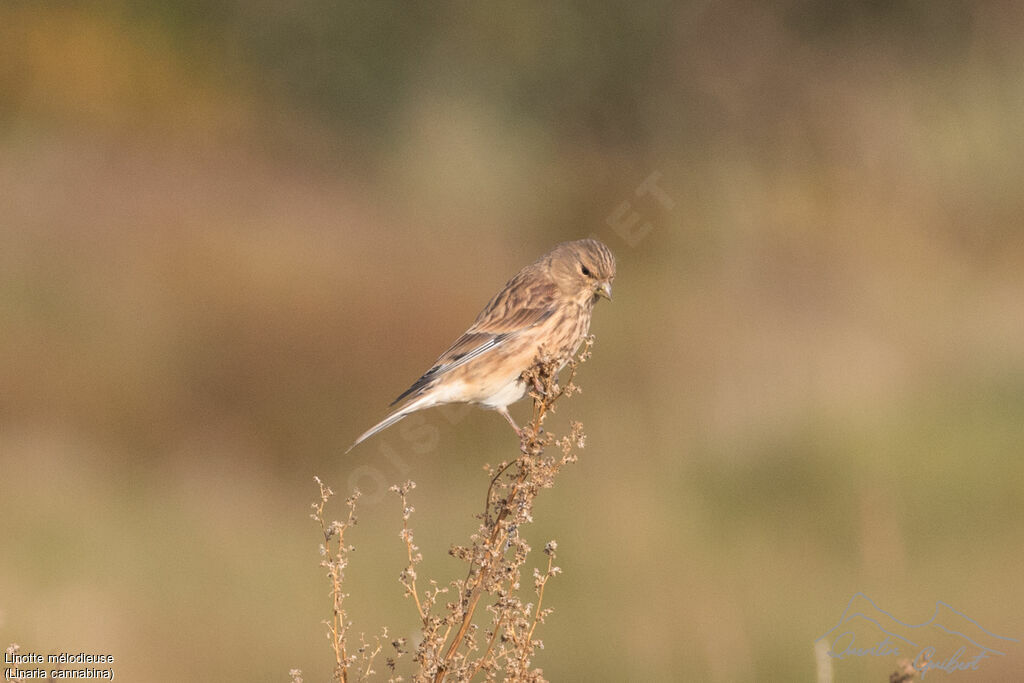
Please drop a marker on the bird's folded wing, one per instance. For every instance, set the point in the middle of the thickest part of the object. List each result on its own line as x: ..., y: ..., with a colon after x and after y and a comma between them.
x: 486, y: 334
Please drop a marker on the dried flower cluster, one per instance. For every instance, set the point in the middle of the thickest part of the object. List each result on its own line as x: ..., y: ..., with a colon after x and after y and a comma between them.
x: 357, y: 664
x: 907, y: 670
x: 486, y: 628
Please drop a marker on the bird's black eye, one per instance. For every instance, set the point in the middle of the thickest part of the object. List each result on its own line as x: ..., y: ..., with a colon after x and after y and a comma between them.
x: 585, y: 270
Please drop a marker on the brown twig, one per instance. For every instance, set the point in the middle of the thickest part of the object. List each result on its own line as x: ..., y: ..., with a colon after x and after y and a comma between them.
x: 538, y: 613
x: 543, y: 377
x: 449, y: 646
x: 335, y: 560
x: 408, y: 576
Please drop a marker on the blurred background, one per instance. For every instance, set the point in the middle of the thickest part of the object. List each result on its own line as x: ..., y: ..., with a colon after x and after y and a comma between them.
x: 232, y: 232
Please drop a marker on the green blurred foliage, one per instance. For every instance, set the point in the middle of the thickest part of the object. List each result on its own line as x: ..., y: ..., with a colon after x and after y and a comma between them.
x: 231, y: 233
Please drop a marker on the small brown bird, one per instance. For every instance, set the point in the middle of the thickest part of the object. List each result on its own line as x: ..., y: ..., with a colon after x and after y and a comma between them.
x: 545, y: 308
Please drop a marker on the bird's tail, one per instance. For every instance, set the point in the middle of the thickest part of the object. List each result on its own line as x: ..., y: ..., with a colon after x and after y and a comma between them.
x: 422, y: 402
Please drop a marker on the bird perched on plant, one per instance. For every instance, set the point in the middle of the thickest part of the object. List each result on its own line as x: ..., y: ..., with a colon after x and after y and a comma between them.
x: 544, y: 309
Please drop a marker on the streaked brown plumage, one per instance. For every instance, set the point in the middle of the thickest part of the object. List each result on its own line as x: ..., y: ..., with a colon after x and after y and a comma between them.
x: 545, y: 308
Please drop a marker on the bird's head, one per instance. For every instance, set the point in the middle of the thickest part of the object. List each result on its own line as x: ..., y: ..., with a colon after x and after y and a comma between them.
x: 584, y: 269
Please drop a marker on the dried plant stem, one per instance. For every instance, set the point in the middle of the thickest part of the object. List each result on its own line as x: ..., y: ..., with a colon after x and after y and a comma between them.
x: 335, y: 559
x: 369, y: 660
x: 349, y: 664
x: 543, y: 377
x: 409, y: 575
x: 478, y: 574
x: 537, y: 613
x: 490, y: 646
x: 450, y: 645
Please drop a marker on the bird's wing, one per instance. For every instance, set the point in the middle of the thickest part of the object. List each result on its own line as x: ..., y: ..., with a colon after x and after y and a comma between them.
x: 516, y: 308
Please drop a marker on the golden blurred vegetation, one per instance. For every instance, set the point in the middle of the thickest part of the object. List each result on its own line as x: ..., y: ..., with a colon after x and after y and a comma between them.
x: 231, y: 232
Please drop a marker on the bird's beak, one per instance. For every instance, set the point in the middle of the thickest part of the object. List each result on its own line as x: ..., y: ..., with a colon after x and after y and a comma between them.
x: 605, y: 290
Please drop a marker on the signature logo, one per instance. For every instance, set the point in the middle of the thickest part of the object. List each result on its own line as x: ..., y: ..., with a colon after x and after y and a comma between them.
x: 949, y: 641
